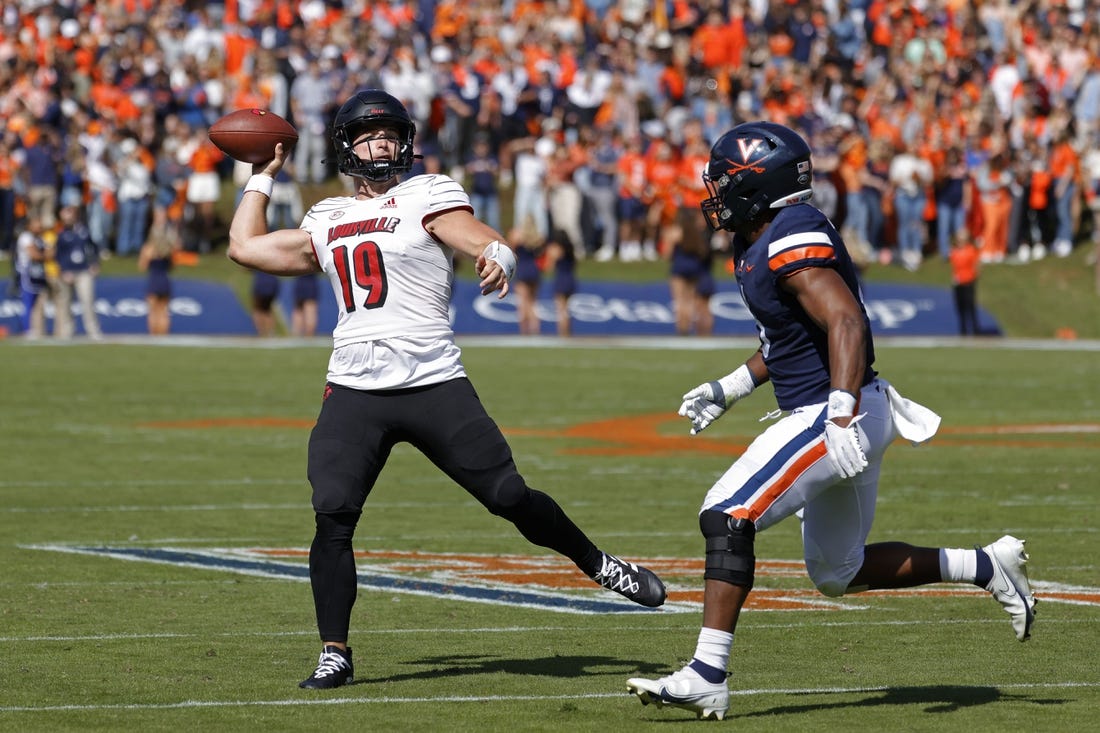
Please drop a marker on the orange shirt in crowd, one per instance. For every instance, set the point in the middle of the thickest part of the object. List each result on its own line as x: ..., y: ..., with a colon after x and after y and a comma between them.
x: 713, y: 44
x: 1063, y: 160
x: 690, y: 187
x: 206, y: 157
x: 238, y: 48
x: 664, y: 176
x: 632, y: 175
x: 964, y: 263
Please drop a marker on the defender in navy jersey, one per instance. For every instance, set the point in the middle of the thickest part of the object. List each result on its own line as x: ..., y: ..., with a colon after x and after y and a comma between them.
x: 822, y: 460
x: 395, y: 374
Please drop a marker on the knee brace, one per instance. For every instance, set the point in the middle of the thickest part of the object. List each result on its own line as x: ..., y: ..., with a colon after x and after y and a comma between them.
x: 729, y: 548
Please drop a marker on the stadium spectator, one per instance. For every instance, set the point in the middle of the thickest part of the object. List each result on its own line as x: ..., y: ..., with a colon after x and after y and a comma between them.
x: 564, y: 200
x: 527, y: 246
x: 889, y: 72
x: 395, y: 374
x: 561, y: 261
x: 42, y: 157
x: 910, y: 175
x: 9, y: 172
x: 1065, y: 168
x: 662, y: 193
x: 994, y: 181
x: 951, y: 192
x: 965, y: 266
x: 303, y: 315
x: 309, y: 100
x: 78, y: 261
x: 155, y: 260
x: 135, y: 187
x: 203, y: 190
x: 483, y: 171
x: 689, y: 251
x: 633, y: 199
x: 532, y: 164
x: 602, y: 192
x: 30, y: 267
x: 264, y: 291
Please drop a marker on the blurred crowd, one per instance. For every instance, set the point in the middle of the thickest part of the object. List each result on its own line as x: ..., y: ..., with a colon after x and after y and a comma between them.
x: 589, y: 120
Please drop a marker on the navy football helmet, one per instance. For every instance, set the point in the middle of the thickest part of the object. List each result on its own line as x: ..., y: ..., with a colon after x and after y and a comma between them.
x: 369, y: 108
x: 753, y: 167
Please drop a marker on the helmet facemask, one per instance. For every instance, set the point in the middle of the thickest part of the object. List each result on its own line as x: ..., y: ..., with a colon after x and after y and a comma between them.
x: 350, y: 164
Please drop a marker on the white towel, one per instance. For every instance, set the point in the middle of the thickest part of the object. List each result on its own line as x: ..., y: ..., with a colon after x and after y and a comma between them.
x: 914, y: 422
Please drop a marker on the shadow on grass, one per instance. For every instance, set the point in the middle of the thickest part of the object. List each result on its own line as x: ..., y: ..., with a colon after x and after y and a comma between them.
x: 935, y: 699
x: 557, y: 666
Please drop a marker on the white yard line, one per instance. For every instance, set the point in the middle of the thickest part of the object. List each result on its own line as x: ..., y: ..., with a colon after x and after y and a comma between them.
x: 298, y: 701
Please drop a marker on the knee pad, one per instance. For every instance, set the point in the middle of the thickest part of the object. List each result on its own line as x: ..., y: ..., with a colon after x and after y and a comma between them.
x: 729, y: 548
x: 336, y: 529
x: 509, y: 497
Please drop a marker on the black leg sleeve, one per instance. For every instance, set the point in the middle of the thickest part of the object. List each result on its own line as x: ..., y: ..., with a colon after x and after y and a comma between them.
x: 332, y: 574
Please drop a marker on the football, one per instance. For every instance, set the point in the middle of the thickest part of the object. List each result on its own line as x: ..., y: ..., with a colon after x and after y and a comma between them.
x: 249, y: 135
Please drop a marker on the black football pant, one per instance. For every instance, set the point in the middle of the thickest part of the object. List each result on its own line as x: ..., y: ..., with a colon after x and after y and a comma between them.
x: 353, y: 437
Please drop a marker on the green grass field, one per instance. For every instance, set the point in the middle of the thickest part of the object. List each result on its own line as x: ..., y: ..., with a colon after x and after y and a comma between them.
x: 202, y: 450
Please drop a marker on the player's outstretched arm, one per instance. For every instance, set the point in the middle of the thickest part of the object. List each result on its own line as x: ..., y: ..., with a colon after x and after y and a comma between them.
x: 495, y: 262
x: 710, y: 400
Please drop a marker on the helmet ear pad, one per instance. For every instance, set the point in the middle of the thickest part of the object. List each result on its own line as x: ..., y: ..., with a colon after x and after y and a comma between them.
x: 754, y: 167
x: 371, y: 109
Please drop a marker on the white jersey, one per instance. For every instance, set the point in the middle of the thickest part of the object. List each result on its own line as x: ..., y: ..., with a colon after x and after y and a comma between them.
x: 392, y: 281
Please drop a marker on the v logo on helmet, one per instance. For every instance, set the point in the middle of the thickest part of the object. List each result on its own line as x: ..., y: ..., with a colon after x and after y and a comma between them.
x: 748, y: 147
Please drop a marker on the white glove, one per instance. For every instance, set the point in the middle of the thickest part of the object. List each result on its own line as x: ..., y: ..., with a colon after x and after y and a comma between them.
x: 842, y: 446
x: 707, y: 402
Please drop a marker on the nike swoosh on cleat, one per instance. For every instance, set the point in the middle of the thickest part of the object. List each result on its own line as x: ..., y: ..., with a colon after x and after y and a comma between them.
x: 669, y: 697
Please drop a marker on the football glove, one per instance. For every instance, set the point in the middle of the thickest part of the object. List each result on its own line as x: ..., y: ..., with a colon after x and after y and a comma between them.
x: 707, y: 402
x: 842, y: 446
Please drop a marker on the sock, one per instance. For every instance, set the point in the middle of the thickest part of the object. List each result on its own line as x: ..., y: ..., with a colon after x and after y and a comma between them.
x: 712, y: 654
x: 965, y: 566
x: 984, y: 575
x: 711, y: 674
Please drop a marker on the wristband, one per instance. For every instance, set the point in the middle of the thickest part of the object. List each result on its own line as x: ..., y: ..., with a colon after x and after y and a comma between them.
x: 261, y: 184
x: 503, y: 256
x: 841, y: 404
x: 735, y: 385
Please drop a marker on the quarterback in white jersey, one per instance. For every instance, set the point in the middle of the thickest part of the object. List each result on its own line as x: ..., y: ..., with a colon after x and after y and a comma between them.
x: 395, y: 374
x: 392, y: 279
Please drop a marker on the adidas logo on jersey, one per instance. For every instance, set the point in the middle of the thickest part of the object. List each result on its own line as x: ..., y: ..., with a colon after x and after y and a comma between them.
x: 391, y: 204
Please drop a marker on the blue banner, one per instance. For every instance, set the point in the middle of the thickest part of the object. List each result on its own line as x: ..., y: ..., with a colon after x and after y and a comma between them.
x: 645, y: 309
x: 598, y: 309
x: 197, y: 308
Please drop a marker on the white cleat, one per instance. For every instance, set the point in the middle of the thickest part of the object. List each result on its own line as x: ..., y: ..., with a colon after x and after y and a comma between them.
x: 1009, y: 585
x: 684, y: 689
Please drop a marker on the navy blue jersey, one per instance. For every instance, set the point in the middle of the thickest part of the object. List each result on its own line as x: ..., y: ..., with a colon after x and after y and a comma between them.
x: 795, y: 349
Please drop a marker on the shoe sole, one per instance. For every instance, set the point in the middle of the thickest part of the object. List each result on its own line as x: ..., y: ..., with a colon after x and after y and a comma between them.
x: 306, y: 686
x: 646, y: 696
x: 1008, y: 552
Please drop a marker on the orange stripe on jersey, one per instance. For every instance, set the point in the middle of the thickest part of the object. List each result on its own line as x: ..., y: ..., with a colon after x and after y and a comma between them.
x: 799, y: 253
x: 811, y: 456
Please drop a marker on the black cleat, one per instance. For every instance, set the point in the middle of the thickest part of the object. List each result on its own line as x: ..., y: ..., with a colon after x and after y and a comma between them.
x: 334, y: 669
x: 633, y: 581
